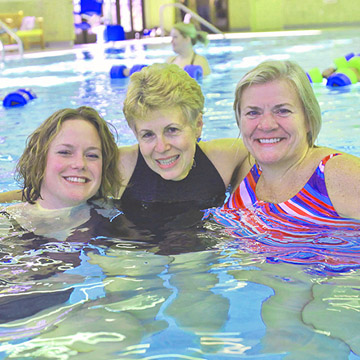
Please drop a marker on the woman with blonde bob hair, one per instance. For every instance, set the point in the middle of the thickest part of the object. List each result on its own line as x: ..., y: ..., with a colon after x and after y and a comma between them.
x: 272, y: 70
x: 287, y: 175
x: 183, y: 38
x: 170, y: 165
x: 159, y: 87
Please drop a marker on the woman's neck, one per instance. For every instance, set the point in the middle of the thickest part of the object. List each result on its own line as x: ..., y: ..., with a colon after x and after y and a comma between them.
x: 285, y: 168
x: 186, y: 53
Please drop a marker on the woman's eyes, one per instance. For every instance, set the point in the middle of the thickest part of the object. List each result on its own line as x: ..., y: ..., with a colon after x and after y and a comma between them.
x: 147, y: 135
x: 172, y: 130
x: 252, y: 113
x: 89, y: 155
x: 283, y: 112
x: 64, y: 152
x: 93, y: 156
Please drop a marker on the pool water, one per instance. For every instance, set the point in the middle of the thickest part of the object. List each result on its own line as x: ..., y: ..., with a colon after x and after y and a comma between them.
x: 199, y: 293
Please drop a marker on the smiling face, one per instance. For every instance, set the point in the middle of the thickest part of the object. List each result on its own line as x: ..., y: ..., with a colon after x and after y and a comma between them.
x: 74, y: 166
x: 273, y: 123
x: 178, y: 41
x: 167, y: 142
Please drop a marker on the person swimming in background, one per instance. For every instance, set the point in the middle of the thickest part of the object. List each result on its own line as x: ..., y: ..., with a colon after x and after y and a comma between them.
x: 184, y: 37
x: 288, y: 177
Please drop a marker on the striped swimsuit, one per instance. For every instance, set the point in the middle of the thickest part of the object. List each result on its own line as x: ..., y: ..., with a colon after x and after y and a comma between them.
x: 305, y: 229
x: 310, y: 206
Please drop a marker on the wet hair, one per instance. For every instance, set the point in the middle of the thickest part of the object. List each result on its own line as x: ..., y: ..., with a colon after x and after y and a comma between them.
x: 189, y: 30
x: 162, y: 87
x: 284, y: 70
x: 31, y: 166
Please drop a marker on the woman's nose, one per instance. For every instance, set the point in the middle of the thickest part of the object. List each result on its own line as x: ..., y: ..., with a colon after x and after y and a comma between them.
x: 267, y: 121
x: 79, y: 162
x: 162, y: 144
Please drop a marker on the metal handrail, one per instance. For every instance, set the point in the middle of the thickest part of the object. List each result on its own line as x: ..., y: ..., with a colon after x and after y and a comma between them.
x: 2, y: 51
x: 193, y: 14
x: 15, y: 37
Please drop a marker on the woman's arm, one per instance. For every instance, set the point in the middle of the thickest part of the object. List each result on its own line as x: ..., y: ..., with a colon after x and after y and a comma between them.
x: 227, y: 155
x: 11, y: 196
x: 342, y: 178
x: 202, y: 61
x: 127, y: 161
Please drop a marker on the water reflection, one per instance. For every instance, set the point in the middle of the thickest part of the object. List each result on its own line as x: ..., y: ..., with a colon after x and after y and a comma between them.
x: 178, y: 288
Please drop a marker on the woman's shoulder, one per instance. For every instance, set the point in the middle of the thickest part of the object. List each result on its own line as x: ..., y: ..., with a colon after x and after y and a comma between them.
x: 229, y: 147
x: 342, y: 178
x: 331, y: 156
x: 226, y: 154
x: 338, y: 161
x: 127, y: 161
x: 170, y: 59
x: 203, y: 62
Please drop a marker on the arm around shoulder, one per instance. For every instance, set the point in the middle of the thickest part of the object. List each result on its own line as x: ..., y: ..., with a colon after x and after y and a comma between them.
x: 127, y: 161
x: 342, y: 177
x: 226, y: 154
x: 11, y: 196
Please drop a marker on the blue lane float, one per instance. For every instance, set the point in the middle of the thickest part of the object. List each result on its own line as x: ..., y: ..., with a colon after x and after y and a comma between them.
x: 342, y: 77
x: 19, y: 97
x: 136, y: 68
x: 346, y: 72
x: 195, y: 71
x: 117, y: 72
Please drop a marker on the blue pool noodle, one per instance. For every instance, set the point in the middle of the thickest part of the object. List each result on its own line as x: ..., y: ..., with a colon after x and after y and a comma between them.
x: 136, y: 68
x: 117, y: 71
x: 338, y: 79
x: 195, y: 71
x: 19, y: 97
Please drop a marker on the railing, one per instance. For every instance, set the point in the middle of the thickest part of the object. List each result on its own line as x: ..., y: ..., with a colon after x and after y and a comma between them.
x: 188, y: 11
x: 11, y: 33
x: 2, y: 49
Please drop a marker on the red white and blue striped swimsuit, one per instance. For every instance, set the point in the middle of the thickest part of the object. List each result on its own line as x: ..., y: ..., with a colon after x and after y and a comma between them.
x: 305, y: 229
x: 311, y: 205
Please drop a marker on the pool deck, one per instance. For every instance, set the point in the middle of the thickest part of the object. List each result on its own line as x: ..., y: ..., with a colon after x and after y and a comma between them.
x: 61, y: 49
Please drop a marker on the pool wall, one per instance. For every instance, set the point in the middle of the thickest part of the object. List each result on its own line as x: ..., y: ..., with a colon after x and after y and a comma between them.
x: 244, y: 15
x: 270, y: 15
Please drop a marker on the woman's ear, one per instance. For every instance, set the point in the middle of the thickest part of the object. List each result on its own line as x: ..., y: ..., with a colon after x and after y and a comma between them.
x: 199, y: 125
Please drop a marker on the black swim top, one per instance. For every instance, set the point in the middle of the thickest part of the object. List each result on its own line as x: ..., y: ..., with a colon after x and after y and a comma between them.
x: 149, y: 196
x: 192, y: 59
x: 203, y: 184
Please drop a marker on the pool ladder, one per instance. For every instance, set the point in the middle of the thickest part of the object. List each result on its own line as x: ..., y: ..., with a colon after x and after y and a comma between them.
x: 19, y: 45
x: 191, y: 13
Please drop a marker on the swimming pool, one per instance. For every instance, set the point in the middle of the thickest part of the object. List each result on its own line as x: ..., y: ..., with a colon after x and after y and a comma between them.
x: 223, y: 299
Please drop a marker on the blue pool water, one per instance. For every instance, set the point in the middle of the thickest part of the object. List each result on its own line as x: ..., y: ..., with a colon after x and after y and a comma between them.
x: 232, y: 298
